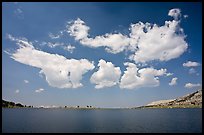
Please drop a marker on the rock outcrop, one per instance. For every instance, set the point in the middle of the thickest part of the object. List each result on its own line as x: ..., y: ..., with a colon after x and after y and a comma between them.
x: 193, y: 100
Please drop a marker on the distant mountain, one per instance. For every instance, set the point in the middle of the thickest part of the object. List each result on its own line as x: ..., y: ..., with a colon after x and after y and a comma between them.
x: 193, y: 100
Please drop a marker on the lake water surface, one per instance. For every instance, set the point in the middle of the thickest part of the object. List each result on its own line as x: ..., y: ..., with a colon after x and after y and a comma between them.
x: 27, y: 120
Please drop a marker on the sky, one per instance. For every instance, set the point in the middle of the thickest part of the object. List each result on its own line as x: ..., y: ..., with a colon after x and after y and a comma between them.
x: 100, y: 54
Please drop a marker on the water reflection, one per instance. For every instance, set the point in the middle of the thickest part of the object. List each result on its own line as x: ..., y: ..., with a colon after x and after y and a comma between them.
x: 99, y: 121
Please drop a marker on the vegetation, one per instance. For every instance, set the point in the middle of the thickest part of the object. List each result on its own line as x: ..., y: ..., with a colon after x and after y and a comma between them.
x: 7, y: 104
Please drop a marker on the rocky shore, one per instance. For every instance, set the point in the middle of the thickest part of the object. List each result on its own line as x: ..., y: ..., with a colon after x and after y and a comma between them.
x: 193, y: 100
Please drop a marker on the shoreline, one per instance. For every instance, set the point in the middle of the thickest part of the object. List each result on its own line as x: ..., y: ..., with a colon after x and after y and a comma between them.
x: 107, y: 108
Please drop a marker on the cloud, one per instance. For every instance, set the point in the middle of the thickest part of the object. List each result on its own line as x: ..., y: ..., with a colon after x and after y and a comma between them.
x: 26, y: 81
x: 52, y: 36
x: 53, y: 45
x: 175, y: 13
x: 39, y: 90
x: 43, y: 43
x: 169, y: 74
x: 10, y: 37
x: 173, y: 81
x: 21, y: 41
x: 17, y: 91
x: 56, y: 36
x: 191, y: 64
x: 19, y: 13
x: 185, y: 16
x: 192, y: 71
x: 59, y: 71
x: 108, y: 75
x: 155, y: 42
x: 78, y: 29
x: 18, y: 10
x: 147, y: 41
x: 114, y: 43
x: 69, y: 48
x: 134, y: 78
x: 191, y: 85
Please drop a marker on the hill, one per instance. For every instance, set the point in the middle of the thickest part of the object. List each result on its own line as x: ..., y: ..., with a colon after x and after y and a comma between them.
x: 193, y: 100
x: 8, y: 104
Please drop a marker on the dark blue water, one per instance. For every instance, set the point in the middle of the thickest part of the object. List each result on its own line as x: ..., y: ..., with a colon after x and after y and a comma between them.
x: 115, y: 120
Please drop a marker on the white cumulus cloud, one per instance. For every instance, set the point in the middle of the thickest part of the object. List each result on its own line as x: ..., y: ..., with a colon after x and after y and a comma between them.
x: 17, y: 91
x: 134, y: 78
x: 173, y: 81
x: 185, y: 16
x: 191, y: 64
x: 147, y: 41
x: 114, y: 43
x: 59, y: 71
x: 191, y: 85
x: 175, y: 13
x: 19, y: 13
x: 52, y: 36
x: 108, y: 75
x: 26, y: 81
x: 155, y: 42
x: 169, y: 74
x: 192, y: 71
x: 56, y: 36
x: 39, y: 90
x: 69, y: 48
x: 53, y: 45
x: 78, y: 29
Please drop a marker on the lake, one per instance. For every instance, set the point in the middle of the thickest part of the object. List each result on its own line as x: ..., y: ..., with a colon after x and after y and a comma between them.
x: 33, y: 120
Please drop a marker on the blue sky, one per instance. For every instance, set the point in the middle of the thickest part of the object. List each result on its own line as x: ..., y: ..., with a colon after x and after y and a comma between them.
x: 100, y: 54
